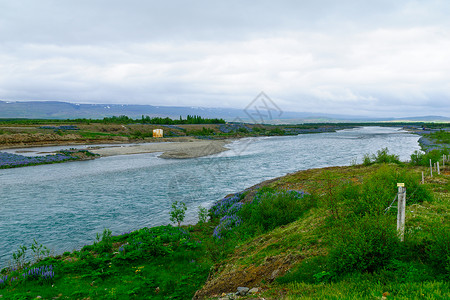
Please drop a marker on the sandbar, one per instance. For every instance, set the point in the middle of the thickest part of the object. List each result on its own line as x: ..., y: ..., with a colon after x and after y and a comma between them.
x: 187, y: 149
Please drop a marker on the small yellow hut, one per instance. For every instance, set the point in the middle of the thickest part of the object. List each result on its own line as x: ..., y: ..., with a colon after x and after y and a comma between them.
x: 157, y: 133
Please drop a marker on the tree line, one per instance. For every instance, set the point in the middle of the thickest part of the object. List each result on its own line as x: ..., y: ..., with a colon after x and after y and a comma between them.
x: 119, y: 120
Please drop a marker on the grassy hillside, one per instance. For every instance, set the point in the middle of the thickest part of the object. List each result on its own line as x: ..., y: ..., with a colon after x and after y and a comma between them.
x: 314, y: 234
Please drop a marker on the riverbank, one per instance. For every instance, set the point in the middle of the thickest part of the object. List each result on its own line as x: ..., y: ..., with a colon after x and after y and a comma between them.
x: 431, y: 139
x: 9, y: 160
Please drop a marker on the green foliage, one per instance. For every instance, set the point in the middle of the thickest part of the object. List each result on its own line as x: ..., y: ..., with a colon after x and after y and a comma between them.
x: 19, y: 257
x: 380, y: 189
x: 438, y: 249
x: 442, y: 137
x: 203, y: 132
x: 178, y: 212
x: 406, y: 271
x: 103, y: 243
x: 276, y: 131
x: 39, y: 251
x: 202, y: 215
x: 272, y: 209
x: 310, y: 270
x: 367, y: 161
x: 159, y: 263
x: 331, y: 197
x: 163, y: 121
x: 419, y: 158
x: 382, y: 156
x: 366, y: 246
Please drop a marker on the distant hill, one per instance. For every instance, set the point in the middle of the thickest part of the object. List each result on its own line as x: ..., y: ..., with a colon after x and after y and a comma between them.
x: 65, y: 110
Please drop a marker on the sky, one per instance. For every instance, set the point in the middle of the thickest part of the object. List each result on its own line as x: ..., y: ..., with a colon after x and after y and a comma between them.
x: 361, y: 58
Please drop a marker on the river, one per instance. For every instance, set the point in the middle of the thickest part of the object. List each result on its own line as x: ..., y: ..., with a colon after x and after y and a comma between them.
x: 63, y: 206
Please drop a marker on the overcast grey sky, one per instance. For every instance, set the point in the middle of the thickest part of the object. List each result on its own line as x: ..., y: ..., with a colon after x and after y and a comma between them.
x: 373, y: 58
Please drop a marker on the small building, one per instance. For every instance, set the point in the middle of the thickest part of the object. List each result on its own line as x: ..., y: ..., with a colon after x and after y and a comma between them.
x: 157, y: 133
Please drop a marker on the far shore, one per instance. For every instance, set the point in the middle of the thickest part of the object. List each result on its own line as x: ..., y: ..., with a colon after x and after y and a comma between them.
x: 187, y: 149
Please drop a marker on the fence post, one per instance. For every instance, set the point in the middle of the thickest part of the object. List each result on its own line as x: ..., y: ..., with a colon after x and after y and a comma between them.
x: 431, y: 169
x: 438, y: 170
x: 401, y: 210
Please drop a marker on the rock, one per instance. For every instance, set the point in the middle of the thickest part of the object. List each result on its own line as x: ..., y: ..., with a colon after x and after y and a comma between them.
x: 231, y: 296
x: 253, y: 291
x: 242, y: 291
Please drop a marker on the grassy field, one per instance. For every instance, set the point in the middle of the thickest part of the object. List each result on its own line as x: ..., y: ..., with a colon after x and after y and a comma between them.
x: 23, y: 133
x: 315, y: 234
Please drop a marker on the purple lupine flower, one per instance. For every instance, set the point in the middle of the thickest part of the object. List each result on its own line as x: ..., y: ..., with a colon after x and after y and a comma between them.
x: 227, y: 223
x: 221, y: 207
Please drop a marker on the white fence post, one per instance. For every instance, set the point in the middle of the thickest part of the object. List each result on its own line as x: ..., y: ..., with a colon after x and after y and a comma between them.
x: 431, y: 169
x: 401, y: 210
x: 438, y: 170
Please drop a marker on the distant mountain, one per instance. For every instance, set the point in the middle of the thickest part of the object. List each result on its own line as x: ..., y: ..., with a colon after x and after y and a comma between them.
x: 65, y: 110
x: 424, y: 119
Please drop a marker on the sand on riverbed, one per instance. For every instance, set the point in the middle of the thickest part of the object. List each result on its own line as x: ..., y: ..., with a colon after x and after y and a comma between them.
x: 188, y: 149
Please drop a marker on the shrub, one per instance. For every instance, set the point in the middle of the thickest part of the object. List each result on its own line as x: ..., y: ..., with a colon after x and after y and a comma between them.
x: 380, y: 189
x: 103, y: 243
x: 382, y: 156
x: 202, y: 215
x: 367, y: 245
x: 270, y: 210
x: 366, y: 160
x: 310, y: 270
x: 438, y: 249
x: 178, y: 212
x: 419, y: 158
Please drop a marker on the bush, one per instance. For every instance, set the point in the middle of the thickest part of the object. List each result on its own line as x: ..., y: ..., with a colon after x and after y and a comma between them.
x: 178, y: 212
x: 270, y: 210
x: 438, y: 249
x: 380, y: 189
x: 310, y: 270
x: 367, y: 245
x: 103, y: 243
x: 202, y: 215
x: 382, y: 156
x: 419, y: 158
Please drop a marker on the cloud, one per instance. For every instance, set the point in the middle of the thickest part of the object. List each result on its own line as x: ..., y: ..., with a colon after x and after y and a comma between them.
x: 332, y: 57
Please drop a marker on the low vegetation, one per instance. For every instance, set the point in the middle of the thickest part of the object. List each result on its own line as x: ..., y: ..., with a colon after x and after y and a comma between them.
x: 321, y: 233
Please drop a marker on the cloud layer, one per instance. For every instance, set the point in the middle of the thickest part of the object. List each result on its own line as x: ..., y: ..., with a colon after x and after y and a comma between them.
x: 374, y: 59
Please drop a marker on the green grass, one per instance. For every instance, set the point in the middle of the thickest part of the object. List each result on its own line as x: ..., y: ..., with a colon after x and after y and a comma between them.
x: 442, y: 137
x: 96, y: 135
x: 337, y: 242
x: 162, y: 262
